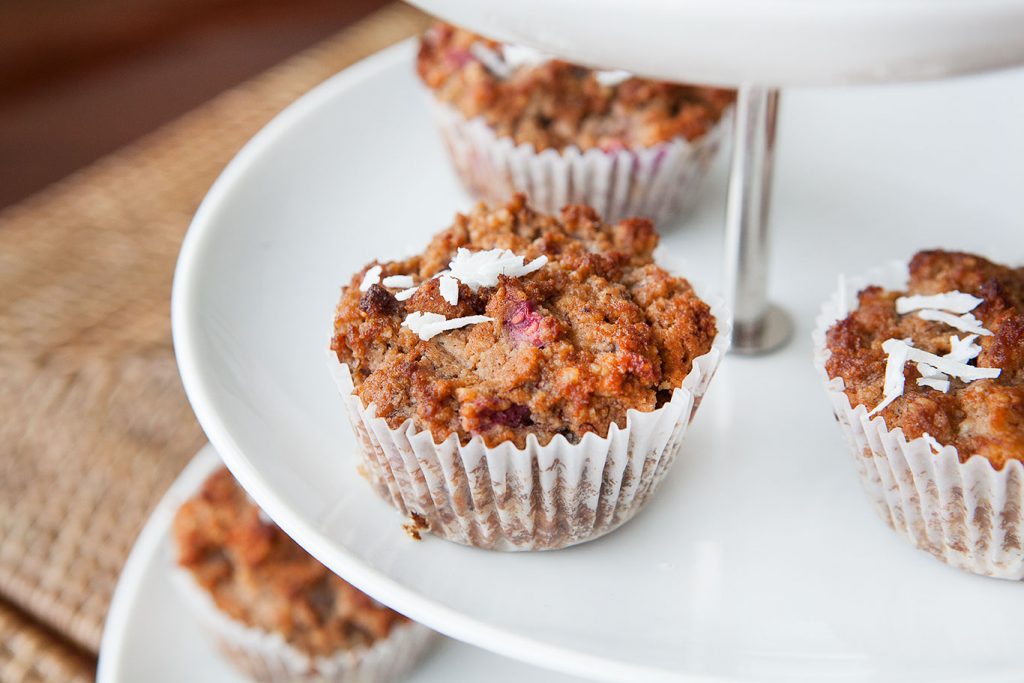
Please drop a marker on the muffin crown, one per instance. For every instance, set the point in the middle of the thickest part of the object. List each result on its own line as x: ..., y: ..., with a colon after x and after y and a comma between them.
x: 523, y: 323
x: 549, y: 103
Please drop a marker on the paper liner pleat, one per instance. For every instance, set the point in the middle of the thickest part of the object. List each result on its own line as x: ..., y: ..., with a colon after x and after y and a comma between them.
x: 266, y: 657
x: 661, y: 182
x: 536, y: 498
x: 967, y: 514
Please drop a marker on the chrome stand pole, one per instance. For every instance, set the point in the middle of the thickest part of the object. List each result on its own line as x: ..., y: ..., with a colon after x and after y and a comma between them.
x: 758, y: 326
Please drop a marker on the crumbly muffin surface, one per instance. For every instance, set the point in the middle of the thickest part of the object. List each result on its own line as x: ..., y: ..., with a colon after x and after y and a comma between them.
x: 984, y: 417
x: 257, y: 575
x: 572, y: 346
x: 557, y: 104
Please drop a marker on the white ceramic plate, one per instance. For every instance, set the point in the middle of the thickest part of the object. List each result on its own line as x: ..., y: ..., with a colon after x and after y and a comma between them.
x: 151, y: 636
x: 760, y: 558
x: 781, y: 42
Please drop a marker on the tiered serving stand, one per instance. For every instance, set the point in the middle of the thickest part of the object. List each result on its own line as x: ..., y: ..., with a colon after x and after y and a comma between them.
x: 759, y: 559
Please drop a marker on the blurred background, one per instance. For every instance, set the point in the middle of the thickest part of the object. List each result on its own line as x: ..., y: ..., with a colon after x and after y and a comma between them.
x: 78, y: 78
x: 115, y: 118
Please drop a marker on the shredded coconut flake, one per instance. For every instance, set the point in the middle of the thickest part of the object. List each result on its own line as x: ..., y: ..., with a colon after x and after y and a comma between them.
x: 406, y: 293
x: 397, y: 281
x: 892, y: 388
x: 964, y: 349
x: 901, y: 351
x: 371, y: 278
x: 428, y: 325
x: 953, y: 302
x: 449, y: 288
x: 964, y: 323
x: 491, y: 60
x: 935, y: 445
x: 934, y: 383
x: 612, y: 77
x: 519, y: 55
x: 478, y: 269
x: 929, y: 372
x: 962, y: 371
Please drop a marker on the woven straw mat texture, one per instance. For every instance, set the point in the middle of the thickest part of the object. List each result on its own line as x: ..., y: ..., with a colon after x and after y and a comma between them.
x: 94, y: 425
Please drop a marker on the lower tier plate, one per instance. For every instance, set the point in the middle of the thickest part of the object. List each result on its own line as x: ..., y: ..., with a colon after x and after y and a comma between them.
x: 150, y: 635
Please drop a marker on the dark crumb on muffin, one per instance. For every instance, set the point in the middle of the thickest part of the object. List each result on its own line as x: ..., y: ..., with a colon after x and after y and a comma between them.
x: 983, y: 417
x: 557, y: 104
x: 415, y: 525
x: 258, y: 576
x: 570, y: 348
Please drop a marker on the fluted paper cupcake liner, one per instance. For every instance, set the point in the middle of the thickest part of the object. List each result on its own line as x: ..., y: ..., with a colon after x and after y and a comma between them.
x: 536, y: 498
x: 660, y: 182
x: 267, y: 657
x: 968, y: 514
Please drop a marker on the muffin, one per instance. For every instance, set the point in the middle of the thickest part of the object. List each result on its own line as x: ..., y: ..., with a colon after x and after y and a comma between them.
x: 276, y: 612
x: 514, y: 120
x: 926, y: 377
x: 526, y: 381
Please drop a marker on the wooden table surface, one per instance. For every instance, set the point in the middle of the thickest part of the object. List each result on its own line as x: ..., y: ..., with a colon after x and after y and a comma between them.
x: 81, y: 78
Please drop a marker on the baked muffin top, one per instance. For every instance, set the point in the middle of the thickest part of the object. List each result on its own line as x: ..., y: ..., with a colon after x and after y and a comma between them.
x: 259, y: 576
x: 977, y: 411
x: 554, y: 104
x: 581, y: 327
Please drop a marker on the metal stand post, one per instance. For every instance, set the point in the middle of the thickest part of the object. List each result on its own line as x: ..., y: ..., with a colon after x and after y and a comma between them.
x: 758, y: 326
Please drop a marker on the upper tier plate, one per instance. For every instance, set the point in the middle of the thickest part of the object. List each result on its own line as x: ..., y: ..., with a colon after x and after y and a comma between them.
x: 760, y: 558
x: 777, y: 42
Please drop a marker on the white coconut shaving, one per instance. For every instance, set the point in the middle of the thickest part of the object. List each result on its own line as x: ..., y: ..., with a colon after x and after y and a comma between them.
x: 478, y: 269
x: 371, y: 278
x: 428, y: 325
x: 934, y: 383
x: 964, y: 323
x: 964, y: 349
x: 449, y: 289
x: 403, y: 281
x: 952, y: 302
x: 612, y: 77
x: 406, y: 293
x: 953, y: 368
x: 491, y: 60
x: 900, y: 351
x: 893, y: 386
x: 933, y: 378
x: 516, y: 56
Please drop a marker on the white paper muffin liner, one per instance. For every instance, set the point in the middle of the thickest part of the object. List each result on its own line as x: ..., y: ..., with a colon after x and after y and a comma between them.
x: 537, y: 498
x: 969, y: 514
x: 660, y: 182
x: 268, y: 658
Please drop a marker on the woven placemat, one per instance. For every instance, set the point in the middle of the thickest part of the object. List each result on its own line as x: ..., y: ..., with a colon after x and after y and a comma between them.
x: 29, y: 654
x: 93, y: 422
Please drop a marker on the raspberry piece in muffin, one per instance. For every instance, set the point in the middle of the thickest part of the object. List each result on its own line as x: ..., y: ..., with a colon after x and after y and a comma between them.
x: 561, y: 325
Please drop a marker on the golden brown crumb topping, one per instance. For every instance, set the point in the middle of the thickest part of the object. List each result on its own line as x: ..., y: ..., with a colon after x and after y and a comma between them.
x: 259, y: 576
x: 572, y: 346
x: 557, y: 104
x: 983, y: 417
